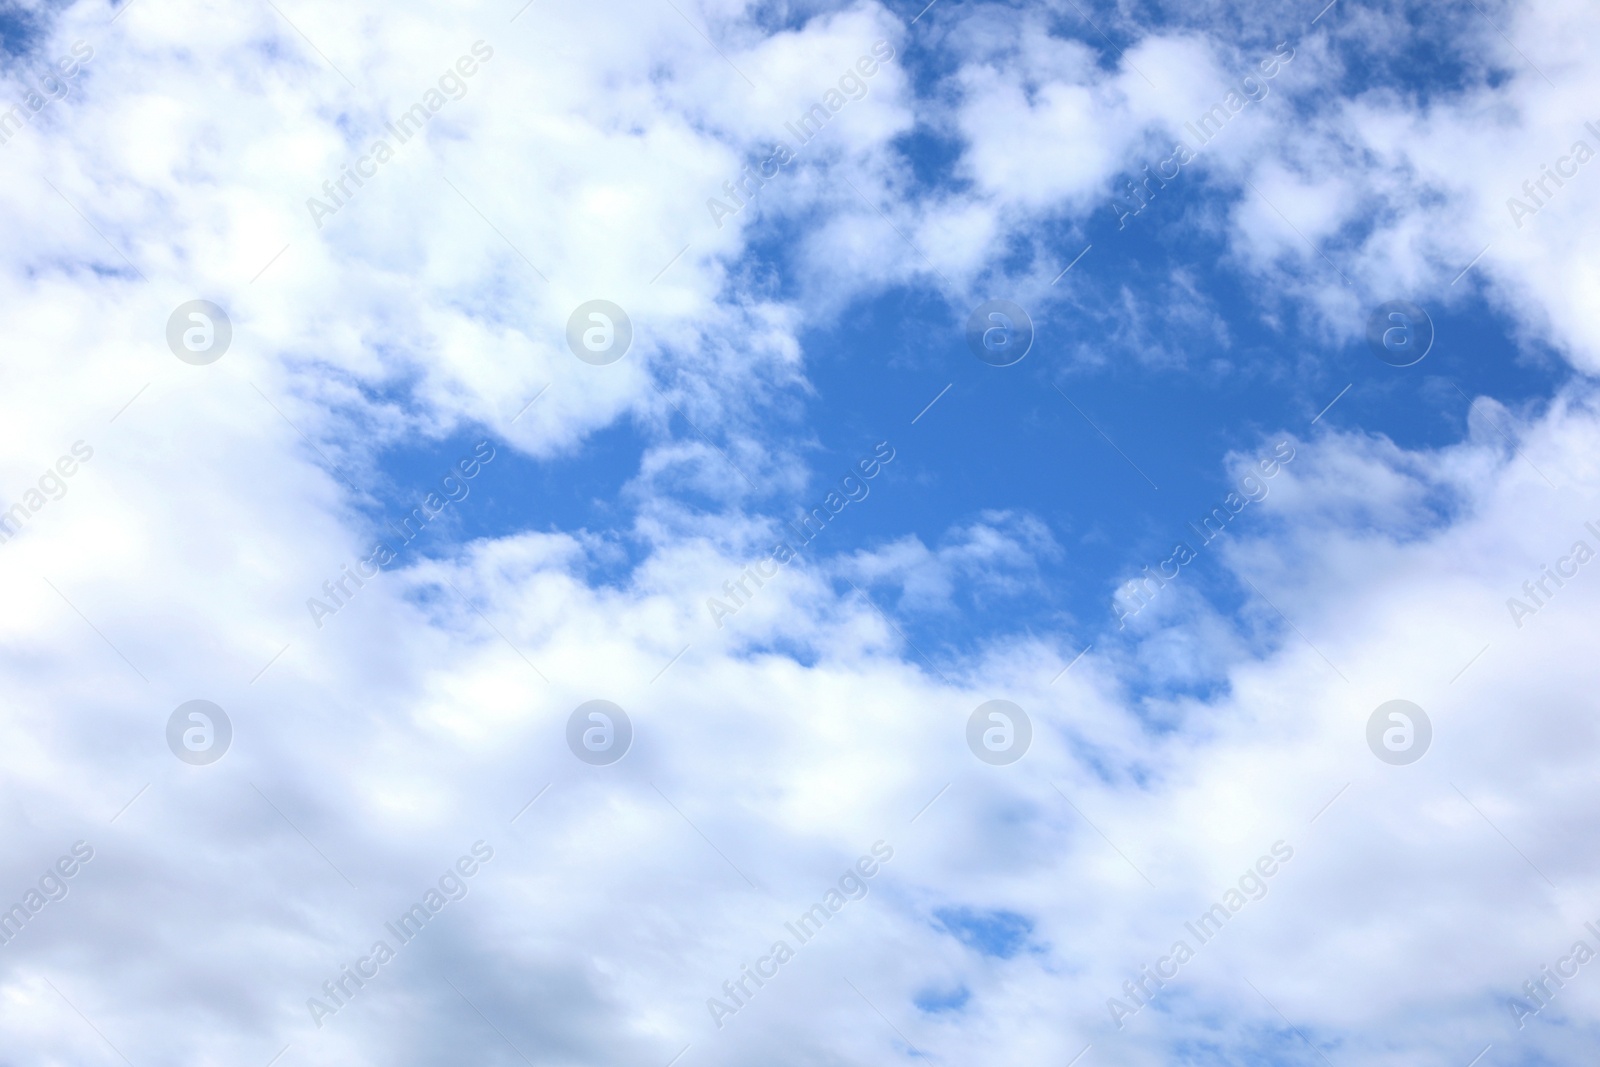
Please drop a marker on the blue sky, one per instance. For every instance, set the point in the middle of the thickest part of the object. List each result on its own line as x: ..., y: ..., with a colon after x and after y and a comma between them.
x: 1008, y: 440
x: 1004, y: 439
x: 1039, y: 798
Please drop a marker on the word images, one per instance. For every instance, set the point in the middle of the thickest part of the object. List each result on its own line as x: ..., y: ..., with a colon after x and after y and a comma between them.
x: 455, y: 489
x: 51, y: 482
x: 1538, y: 989
x: 1251, y: 489
x: 1580, y: 554
x: 852, y: 886
x: 52, y: 887
x: 1579, y: 154
x: 408, y: 125
x: 452, y: 887
x: 819, y: 115
x: 54, y: 85
x: 783, y: 552
x: 1204, y: 130
x: 1253, y: 882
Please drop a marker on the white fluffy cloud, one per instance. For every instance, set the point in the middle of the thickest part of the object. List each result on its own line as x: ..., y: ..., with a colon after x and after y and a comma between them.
x: 372, y: 751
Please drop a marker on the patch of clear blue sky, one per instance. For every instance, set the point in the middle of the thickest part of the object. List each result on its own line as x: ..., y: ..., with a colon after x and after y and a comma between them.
x: 18, y: 29
x: 22, y: 29
x: 1006, y: 439
x: 939, y: 1001
x: 991, y: 932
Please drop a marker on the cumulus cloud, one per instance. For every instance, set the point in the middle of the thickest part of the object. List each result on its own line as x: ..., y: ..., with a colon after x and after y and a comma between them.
x: 1013, y: 910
